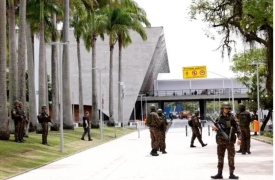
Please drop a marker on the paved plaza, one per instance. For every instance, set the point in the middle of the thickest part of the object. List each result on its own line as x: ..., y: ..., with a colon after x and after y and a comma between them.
x: 128, y: 158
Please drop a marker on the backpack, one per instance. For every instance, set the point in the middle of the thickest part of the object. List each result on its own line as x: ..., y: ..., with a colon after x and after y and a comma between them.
x: 148, y: 120
x: 190, y: 123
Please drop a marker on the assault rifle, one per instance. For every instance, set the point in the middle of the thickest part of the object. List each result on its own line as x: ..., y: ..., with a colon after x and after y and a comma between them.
x: 220, y: 128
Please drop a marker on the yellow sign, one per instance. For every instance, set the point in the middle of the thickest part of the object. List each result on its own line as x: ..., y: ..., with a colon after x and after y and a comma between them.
x: 194, y: 72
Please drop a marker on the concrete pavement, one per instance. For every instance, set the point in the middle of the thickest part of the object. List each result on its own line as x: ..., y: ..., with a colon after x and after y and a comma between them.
x: 128, y: 158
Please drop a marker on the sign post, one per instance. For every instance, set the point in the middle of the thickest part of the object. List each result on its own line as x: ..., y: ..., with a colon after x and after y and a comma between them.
x: 191, y: 72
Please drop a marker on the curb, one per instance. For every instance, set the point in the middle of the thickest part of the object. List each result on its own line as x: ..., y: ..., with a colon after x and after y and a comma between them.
x: 257, y: 139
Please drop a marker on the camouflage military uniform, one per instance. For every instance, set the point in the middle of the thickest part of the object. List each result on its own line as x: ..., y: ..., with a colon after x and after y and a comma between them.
x: 227, y: 121
x: 154, y: 130
x: 17, y: 121
x: 244, y: 121
x: 45, y: 119
x: 196, y: 127
x: 23, y: 122
x: 162, y: 128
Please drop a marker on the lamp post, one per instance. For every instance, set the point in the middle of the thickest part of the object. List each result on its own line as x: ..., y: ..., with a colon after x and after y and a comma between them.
x: 141, y: 107
x: 121, y: 96
x: 233, y: 105
x: 59, y: 66
x: 101, y: 108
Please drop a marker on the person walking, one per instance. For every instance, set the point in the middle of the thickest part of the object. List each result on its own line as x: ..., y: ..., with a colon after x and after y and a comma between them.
x: 86, y: 128
x: 230, y: 127
x: 196, y: 130
x: 244, y: 120
x: 162, y: 128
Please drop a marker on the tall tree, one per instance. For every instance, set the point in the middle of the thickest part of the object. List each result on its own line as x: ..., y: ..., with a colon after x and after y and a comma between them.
x: 22, y: 54
x: 247, y: 75
x: 67, y: 105
x: 4, y: 130
x: 251, y: 19
x: 42, y: 78
x: 31, y: 82
x: 13, y: 68
x: 79, y: 23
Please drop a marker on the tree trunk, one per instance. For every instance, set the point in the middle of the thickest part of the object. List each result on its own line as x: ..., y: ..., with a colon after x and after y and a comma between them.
x: 46, y: 80
x: 22, y: 54
x: 269, y: 115
x: 42, y: 88
x: 81, y: 110
x: 269, y: 78
x: 67, y: 105
x: 4, y: 123
x: 111, y: 88
x: 55, y: 96
x: 32, y: 96
x: 13, y: 68
x: 119, y: 79
x: 95, y: 114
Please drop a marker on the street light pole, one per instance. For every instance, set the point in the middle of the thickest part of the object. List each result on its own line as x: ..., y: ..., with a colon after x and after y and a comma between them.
x: 59, y: 66
x: 101, y: 107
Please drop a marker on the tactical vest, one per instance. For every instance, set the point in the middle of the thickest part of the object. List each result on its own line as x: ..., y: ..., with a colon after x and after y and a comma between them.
x: 244, y: 119
x: 226, y: 126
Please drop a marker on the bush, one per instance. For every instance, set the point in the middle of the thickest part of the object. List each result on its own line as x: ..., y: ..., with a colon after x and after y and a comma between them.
x: 268, y: 134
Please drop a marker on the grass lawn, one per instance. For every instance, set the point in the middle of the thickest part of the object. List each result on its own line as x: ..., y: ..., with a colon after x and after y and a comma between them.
x: 19, y: 157
x: 269, y: 139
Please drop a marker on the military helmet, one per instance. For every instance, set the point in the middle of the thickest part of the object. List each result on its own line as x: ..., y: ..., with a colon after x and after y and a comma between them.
x: 159, y: 111
x: 44, y: 106
x: 16, y: 102
x: 153, y: 107
x: 241, y: 106
x: 20, y: 103
x: 226, y: 105
x: 197, y: 112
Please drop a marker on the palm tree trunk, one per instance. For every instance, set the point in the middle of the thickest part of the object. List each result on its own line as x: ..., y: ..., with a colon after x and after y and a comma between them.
x: 32, y: 96
x: 119, y: 79
x: 13, y: 69
x: 111, y: 87
x: 42, y: 88
x: 67, y: 105
x: 55, y: 104
x: 81, y: 110
x: 22, y: 54
x: 46, y: 80
x: 4, y: 127
x: 269, y: 78
x: 95, y: 117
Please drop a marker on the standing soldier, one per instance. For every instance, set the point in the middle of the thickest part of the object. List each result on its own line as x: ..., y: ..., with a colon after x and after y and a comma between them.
x: 153, y: 122
x: 24, y: 121
x: 254, y: 117
x: 230, y: 127
x: 244, y: 120
x: 196, y: 128
x: 44, y: 119
x: 162, y: 129
x: 17, y: 121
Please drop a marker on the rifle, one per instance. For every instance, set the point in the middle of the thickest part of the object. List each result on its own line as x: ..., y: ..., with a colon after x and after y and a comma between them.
x: 220, y: 128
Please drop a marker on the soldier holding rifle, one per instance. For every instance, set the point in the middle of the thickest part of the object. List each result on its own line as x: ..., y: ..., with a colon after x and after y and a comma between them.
x: 226, y: 128
x: 44, y: 119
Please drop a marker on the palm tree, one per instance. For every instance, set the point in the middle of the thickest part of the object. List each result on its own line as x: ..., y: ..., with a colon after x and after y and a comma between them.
x: 22, y: 54
x: 67, y: 109
x: 122, y: 17
x: 79, y: 23
x: 4, y: 130
x: 13, y: 71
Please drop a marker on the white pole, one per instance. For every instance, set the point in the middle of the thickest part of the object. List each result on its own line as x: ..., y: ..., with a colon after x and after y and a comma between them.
x: 73, y: 104
x: 60, y: 100
x: 141, y: 108
x: 122, y: 107
x: 219, y: 100
x: 258, y: 97
x: 232, y: 91
x: 101, y: 113
x: 146, y: 106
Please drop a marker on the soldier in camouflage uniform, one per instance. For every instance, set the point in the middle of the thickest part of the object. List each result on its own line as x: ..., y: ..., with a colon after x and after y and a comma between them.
x: 162, y: 128
x: 231, y: 127
x: 24, y: 121
x: 154, y: 130
x: 45, y: 119
x: 196, y: 128
x: 17, y: 121
x: 244, y: 120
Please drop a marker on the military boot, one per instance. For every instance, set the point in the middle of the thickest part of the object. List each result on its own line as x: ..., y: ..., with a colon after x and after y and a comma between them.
x: 204, y: 145
x: 248, y: 151
x: 163, y: 151
x: 151, y: 151
x: 192, y: 146
x: 232, y: 176
x: 240, y: 151
x: 154, y: 153
x: 218, y: 176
